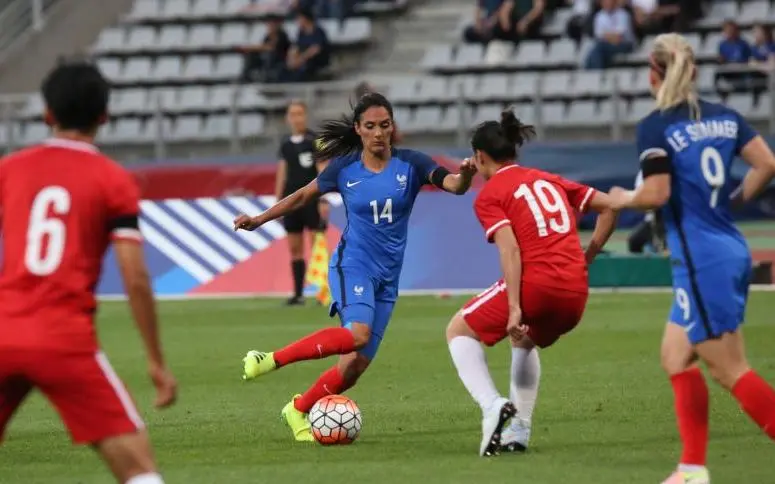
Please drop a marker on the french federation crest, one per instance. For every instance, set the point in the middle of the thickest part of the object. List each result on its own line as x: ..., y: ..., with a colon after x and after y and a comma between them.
x: 401, y: 181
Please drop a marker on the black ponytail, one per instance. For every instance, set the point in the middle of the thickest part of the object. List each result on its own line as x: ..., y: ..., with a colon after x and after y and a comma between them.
x: 337, y: 137
x: 515, y: 131
x: 501, y: 139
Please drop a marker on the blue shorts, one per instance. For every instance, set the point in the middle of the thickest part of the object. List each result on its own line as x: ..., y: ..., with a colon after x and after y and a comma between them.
x: 711, y: 301
x: 359, y: 298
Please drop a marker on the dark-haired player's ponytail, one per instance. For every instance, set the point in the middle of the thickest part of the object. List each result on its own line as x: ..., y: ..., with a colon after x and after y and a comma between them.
x: 515, y: 131
x: 337, y: 137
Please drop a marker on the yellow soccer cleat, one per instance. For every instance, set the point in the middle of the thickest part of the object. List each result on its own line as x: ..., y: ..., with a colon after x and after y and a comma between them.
x: 298, y: 422
x: 257, y: 363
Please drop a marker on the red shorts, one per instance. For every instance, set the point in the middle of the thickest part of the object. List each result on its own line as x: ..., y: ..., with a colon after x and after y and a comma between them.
x: 89, y: 396
x: 548, y: 312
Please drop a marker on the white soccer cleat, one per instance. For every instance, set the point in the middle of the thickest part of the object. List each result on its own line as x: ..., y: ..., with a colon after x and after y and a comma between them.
x: 695, y: 477
x: 516, y: 436
x: 493, y: 421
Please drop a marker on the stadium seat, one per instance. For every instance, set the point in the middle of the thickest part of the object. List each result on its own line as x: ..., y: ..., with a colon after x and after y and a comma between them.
x: 640, y: 85
x: 126, y: 131
x: 590, y: 83
x: 250, y: 99
x: 110, y: 68
x: 232, y: 7
x: 202, y: 36
x: 233, y: 35
x: 34, y: 107
x: 531, y: 53
x: 141, y: 39
x: 432, y: 89
x: 706, y: 76
x: 228, y: 67
x: 451, y: 119
x: 562, y: 51
x: 355, y: 31
x: 553, y: 113
x: 187, y: 128
x: 585, y: 113
x: 754, y: 11
x: 176, y: 10
x: 250, y: 125
x: 192, y: 99
x: 205, y: 8
x: 198, y: 68
x: 437, y: 57
x: 426, y: 119
x: 621, y: 79
x: 709, y: 48
x: 164, y: 98
x: 172, y: 37
x: 35, y: 133
x: 222, y: 98
x: 166, y: 69
x: 468, y: 55
x: 402, y: 117
x: 130, y: 101
x: 402, y: 91
x: 639, y: 109
x: 718, y: 12
x: 493, y: 87
x: 761, y: 111
x: 556, y: 84
x: 217, y: 127
x: 144, y: 10
x: 524, y: 84
x: 487, y: 112
x: 136, y: 69
x: 742, y: 103
x: 110, y: 40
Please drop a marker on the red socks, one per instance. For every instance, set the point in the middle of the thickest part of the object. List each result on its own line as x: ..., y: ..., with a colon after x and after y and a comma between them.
x: 758, y: 400
x: 330, y: 383
x: 691, y: 410
x: 320, y: 344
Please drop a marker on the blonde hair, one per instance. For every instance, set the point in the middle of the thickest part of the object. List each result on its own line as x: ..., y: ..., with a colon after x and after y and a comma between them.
x: 673, y: 58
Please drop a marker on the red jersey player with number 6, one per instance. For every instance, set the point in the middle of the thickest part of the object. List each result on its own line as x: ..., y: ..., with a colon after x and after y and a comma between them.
x: 530, y: 215
x: 62, y: 203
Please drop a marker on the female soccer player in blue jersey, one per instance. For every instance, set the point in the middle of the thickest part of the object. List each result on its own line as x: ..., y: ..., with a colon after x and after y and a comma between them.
x: 686, y: 150
x: 379, y: 184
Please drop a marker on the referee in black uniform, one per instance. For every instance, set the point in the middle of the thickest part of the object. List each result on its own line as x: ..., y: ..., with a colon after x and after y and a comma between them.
x: 297, y: 168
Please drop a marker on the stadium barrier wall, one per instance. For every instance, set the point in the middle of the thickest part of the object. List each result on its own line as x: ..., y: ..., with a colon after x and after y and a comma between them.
x: 192, y: 250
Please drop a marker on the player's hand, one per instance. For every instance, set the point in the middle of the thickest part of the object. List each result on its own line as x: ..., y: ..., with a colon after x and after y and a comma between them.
x: 620, y: 197
x: 515, y: 328
x: 468, y: 168
x: 245, y: 222
x: 166, y: 386
x: 324, y: 209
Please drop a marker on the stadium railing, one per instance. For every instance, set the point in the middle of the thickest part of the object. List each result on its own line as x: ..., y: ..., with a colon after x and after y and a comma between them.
x: 18, y: 17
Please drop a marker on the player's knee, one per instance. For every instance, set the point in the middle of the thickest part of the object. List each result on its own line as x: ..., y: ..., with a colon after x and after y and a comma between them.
x: 458, y: 327
x: 361, y: 335
x: 674, y: 362
x: 128, y: 455
x: 727, y: 374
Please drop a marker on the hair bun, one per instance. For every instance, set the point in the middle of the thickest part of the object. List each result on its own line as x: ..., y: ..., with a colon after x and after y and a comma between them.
x: 514, y: 130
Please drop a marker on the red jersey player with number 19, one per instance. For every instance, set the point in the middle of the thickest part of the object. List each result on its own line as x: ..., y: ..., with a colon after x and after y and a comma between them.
x: 62, y: 203
x: 530, y: 215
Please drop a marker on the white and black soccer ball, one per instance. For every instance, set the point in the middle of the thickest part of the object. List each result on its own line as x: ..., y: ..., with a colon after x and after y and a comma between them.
x: 335, y: 420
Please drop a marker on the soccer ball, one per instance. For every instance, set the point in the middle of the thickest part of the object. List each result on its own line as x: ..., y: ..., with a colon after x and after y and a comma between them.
x: 335, y: 420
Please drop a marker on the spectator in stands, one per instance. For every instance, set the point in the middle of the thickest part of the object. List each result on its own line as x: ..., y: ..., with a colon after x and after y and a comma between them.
x: 528, y: 18
x: 337, y: 9
x: 265, y: 62
x: 734, y: 53
x: 613, y: 35
x: 311, y: 53
x: 492, y: 21
x: 763, y: 49
x: 580, y: 22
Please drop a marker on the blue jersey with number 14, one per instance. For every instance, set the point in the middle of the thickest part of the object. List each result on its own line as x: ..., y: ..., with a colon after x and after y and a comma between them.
x: 699, y: 225
x: 378, y: 207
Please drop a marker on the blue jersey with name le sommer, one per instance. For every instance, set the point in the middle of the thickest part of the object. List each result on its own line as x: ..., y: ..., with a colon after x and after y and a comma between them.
x: 699, y: 225
x: 378, y: 207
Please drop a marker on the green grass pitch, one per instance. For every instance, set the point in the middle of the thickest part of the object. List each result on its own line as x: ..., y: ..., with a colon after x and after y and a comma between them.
x: 604, y: 412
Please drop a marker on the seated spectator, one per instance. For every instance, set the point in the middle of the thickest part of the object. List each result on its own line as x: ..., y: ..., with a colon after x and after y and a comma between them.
x: 492, y: 21
x: 763, y: 49
x: 580, y: 23
x: 311, y: 52
x: 662, y: 16
x: 613, y: 35
x: 511, y: 20
x: 337, y: 9
x: 265, y: 62
x: 733, y: 51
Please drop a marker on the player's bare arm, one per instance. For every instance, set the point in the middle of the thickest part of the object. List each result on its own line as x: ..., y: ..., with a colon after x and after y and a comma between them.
x: 604, y: 226
x: 280, y: 178
x: 651, y: 195
x: 762, y: 161
x: 511, y: 264
x: 292, y: 202
x: 129, y: 255
x: 457, y: 183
